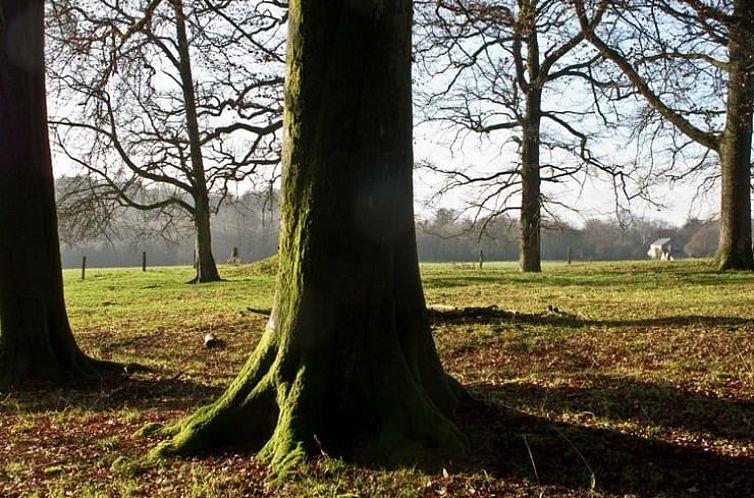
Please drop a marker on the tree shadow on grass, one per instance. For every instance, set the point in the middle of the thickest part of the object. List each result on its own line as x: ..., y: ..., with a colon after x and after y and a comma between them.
x: 674, y: 321
x: 444, y: 282
x: 511, y: 443
x: 600, y: 277
x: 492, y: 314
x: 650, y: 404
x: 138, y: 392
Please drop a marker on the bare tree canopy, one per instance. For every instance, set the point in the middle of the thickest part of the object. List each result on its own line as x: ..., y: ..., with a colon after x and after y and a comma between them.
x: 181, y: 93
x: 693, y: 63
x: 521, y: 69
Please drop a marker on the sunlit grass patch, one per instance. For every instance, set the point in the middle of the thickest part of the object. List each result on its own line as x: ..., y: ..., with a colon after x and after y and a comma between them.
x: 635, y: 376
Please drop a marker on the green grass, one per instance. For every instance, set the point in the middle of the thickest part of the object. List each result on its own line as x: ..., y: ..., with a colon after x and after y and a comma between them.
x: 125, y: 312
x: 640, y: 384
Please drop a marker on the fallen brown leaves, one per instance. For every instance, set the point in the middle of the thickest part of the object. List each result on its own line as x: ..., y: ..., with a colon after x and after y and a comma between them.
x: 621, y: 398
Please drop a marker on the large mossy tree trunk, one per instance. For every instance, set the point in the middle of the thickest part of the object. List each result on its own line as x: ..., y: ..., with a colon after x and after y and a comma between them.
x: 206, y: 268
x: 347, y: 364
x: 735, y: 251
x: 36, y: 343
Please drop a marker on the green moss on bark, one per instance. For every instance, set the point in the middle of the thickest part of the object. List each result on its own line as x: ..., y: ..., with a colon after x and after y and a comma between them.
x: 347, y: 365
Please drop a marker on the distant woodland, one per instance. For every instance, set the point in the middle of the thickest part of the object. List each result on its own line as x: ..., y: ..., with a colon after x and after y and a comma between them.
x: 117, y: 236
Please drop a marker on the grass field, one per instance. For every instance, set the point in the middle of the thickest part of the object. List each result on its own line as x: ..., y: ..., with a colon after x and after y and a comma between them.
x: 615, y: 380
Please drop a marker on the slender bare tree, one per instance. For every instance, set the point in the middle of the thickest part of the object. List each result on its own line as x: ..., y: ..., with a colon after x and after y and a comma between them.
x: 182, y: 93
x: 511, y: 69
x: 693, y: 63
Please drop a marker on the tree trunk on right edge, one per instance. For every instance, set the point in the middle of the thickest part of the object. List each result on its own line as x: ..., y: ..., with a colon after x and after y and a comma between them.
x: 735, y: 251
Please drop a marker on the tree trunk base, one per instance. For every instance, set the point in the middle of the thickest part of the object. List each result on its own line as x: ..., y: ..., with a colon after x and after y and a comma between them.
x: 285, y: 415
x: 530, y: 269
x: 22, y: 369
x: 205, y: 280
x: 734, y: 262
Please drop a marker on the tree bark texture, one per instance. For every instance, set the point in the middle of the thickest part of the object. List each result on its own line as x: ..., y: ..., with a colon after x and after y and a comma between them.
x: 531, y: 198
x: 347, y: 364
x: 206, y: 268
x: 36, y: 343
x: 735, y: 251
x: 531, y: 180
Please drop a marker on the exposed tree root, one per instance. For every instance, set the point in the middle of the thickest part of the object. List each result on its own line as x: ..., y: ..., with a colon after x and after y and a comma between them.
x: 727, y: 262
x: 263, y: 312
x: 286, y: 414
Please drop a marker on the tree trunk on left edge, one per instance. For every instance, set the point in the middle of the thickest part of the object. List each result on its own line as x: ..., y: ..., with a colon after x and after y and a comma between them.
x: 36, y: 343
x: 206, y: 268
x: 735, y: 251
x: 347, y: 365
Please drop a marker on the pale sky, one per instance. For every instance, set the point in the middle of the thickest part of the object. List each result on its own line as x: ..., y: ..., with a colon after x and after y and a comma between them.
x: 594, y: 199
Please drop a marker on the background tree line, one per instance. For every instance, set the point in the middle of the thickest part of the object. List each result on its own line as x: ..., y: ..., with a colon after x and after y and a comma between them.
x: 249, y: 222
x: 116, y: 235
x: 177, y: 102
x: 447, y: 237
